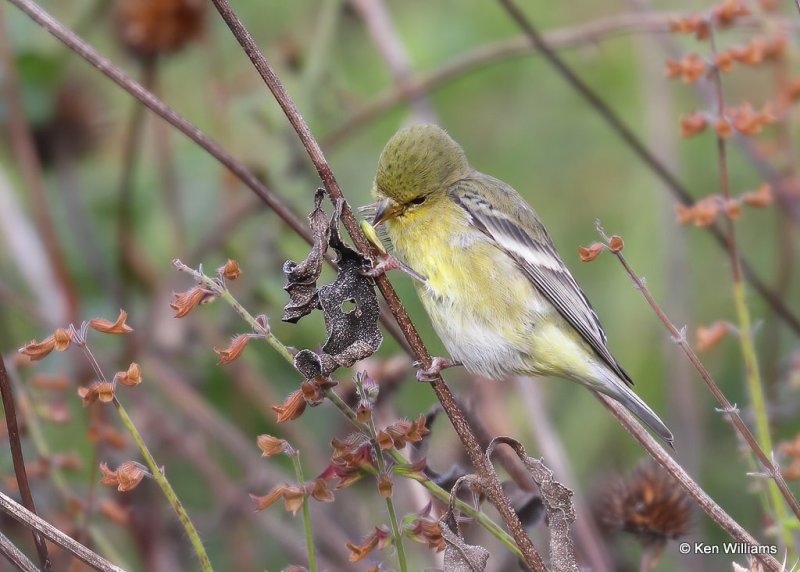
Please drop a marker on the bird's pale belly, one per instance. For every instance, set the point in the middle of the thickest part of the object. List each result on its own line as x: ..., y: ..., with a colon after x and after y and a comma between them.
x: 483, y: 308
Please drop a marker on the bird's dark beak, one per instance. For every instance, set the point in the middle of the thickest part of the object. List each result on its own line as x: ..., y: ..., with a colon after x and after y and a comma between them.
x: 386, y: 209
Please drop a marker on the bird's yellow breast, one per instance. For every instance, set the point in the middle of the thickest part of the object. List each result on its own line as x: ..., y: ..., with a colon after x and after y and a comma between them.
x: 472, y: 290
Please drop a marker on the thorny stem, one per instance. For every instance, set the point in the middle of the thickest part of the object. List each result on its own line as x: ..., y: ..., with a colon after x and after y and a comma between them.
x: 679, y: 338
x: 482, y: 466
x: 298, y: 471
x: 166, y: 487
x: 753, y: 373
x: 396, y: 532
x: 435, y: 490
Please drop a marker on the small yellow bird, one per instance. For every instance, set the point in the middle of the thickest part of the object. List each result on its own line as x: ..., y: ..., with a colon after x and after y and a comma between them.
x: 497, y: 292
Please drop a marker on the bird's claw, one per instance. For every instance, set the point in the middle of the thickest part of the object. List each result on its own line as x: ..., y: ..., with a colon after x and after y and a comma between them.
x: 388, y: 262
x: 432, y: 372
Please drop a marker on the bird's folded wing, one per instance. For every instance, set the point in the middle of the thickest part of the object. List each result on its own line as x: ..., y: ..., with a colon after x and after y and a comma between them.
x: 517, y: 231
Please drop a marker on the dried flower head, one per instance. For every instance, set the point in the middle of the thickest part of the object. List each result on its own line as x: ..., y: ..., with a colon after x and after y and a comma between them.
x: 38, y: 350
x: 379, y: 539
x: 694, y: 24
x: 427, y: 531
x: 693, y: 123
x: 71, y: 128
x: 271, y: 446
x: 292, y: 408
x: 690, y: 68
x: 760, y: 198
x: 153, y: 27
x: 234, y: 349
x: 126, y: 478
x: 728, y: 10
x: 131, y: 377
x: 99, y: 390
x: 230, y: 270
x: 589, y: 253
x: 292, y: 495
x: 117, y: 327
x: 187, y: 301
x: 650, y: 504
x: 709, y: 336
x: 318, y: 489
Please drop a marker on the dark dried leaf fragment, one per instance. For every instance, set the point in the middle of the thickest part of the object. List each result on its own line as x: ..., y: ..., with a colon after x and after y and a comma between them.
x: 302, y: 277
x: 353, y: 334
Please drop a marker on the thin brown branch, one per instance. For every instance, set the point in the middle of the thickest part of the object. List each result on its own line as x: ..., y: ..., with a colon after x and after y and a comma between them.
x: 709, y: 506
x: 482, y: 466
x: 19, y: 461
x: 15, y: 556
x: 728, y: 409
x: 30, y: 520
x: 641, y: 151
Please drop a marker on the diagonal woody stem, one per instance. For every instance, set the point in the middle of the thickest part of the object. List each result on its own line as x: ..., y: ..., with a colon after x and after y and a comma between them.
x: 443, y: 393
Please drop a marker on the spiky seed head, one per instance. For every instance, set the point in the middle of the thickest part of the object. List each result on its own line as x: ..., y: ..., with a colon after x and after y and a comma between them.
x: 418, y: 160
x: 649, y: 504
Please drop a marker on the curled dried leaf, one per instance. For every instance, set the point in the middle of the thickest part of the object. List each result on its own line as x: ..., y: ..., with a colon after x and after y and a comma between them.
x: 117, y: 327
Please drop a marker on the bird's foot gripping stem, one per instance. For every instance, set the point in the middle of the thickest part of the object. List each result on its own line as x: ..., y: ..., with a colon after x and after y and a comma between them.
x: 386, y: 262
x: 428, y: 374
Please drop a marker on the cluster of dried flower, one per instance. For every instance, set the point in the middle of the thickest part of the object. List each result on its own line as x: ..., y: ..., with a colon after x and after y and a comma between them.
x: 705, y: 211
x: 743, y: 119
x: 589, y: 253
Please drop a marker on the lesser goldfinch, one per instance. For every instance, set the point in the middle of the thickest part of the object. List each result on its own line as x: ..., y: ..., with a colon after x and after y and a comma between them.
x: 497, y: 292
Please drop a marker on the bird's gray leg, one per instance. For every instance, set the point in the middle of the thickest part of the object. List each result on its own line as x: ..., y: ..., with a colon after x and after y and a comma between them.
x: 437, y: 365
x: 388, y: 262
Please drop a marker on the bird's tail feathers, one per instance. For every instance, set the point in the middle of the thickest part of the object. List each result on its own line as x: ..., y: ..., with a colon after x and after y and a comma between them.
x: 625, y: 395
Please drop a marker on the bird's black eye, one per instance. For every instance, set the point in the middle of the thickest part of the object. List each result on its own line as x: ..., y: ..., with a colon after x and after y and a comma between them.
x: 419, y: 200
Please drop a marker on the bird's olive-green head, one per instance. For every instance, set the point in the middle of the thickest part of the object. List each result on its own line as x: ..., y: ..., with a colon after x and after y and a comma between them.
x: 417, y: 161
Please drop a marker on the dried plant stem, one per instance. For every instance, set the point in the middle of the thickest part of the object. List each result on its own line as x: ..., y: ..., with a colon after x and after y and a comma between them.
x: 752, y: 370
x: 19, y: 461
x: 483, y: 467
x: 396, y: 532
x: 298, y: 471
x: 34, y: 522
x: 15, y: 556
x: 436, y: 491
x: 680, y: 338
x: 640, y: 149
x: 166, y: 487
x: 709, y: 506
x: 56, y: 474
